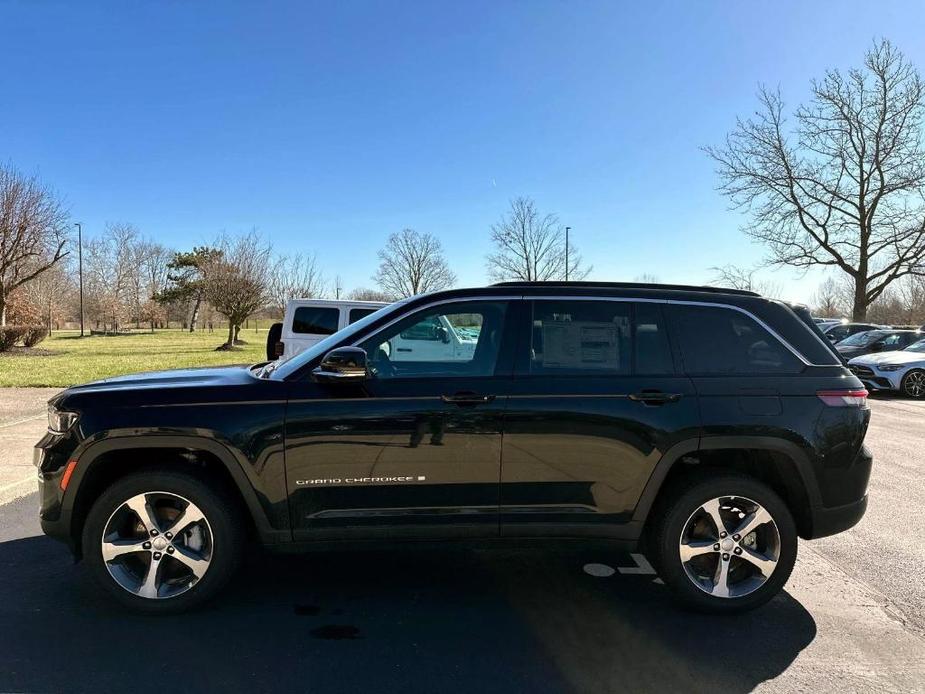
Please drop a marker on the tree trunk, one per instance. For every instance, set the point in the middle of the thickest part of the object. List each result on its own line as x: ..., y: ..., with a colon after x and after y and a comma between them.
x: 859, y: 311
x: 192, y: 323
x: 230, y: 341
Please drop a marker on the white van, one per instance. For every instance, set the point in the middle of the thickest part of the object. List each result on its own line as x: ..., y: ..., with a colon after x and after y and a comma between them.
x: 308, y: 321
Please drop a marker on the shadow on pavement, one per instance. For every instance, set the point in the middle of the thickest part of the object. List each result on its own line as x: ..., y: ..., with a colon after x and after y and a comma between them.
x: 448, y: 621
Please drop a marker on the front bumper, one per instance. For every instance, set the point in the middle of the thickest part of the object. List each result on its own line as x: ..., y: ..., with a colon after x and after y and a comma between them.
x: 874, y: 379
x: 50, y: 457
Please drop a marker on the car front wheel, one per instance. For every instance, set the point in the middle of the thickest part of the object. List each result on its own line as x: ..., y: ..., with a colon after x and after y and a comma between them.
x: 725, y: 544
x: 913, y: 383
x: 162, y: 541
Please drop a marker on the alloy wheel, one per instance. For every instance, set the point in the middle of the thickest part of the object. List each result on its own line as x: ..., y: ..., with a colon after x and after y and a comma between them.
x: 729, y: 546
x: 157, y: 545
x: 914, y: 384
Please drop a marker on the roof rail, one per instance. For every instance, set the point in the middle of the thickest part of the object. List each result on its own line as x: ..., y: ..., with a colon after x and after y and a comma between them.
x: 629, y: 285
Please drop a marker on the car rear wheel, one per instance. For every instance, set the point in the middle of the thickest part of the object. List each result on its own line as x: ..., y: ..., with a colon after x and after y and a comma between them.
x: 725, y: 544
x: 162, y: 541
x: 913, y: 383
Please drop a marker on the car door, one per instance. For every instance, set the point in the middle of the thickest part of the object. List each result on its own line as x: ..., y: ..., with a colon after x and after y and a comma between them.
x: 596, y: 401
x: 415, y: 450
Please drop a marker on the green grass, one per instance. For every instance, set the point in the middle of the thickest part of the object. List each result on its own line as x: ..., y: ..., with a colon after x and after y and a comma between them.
x: 72, y: 359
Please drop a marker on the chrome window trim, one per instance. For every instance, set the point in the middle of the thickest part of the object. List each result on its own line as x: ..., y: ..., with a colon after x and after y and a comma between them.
x: 681, y: 302
x: 454, y: 300
x: 622, y: 299
x: 820, y: 340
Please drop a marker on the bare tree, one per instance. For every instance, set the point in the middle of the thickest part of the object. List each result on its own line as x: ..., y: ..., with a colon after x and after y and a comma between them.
x: 110, y: 275
x: 49, y: 291
x: 646, y: 278
x: 846, y: 189
x: 236, y: 280
x: 829, y: 299
x: 413, y: 263
x: 365, y: 294
x: 531, y: 247
x: 33, y: 231
x: 911, y: 292
x: 294, y: 277
x: 738, y: 277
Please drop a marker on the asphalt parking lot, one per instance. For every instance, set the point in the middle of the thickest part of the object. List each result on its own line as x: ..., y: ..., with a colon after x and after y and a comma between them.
x: 852, y: 617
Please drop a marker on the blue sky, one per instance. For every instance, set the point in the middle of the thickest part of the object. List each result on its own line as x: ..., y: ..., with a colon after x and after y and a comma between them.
x: 329, y: 125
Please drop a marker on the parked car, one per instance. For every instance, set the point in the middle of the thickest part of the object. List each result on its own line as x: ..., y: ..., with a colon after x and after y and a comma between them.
x: 899, y: 370
x: 826, y: 322
x: 836, y: 332
x: 308, y: 321
x: 709, y: 428
x: 880, y: 340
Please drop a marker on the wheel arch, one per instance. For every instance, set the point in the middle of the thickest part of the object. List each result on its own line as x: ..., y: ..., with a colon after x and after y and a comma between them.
x: 779, y: 463
x: 107, y: 460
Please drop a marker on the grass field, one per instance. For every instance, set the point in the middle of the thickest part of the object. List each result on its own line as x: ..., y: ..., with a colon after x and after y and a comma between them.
x: 71, y: 359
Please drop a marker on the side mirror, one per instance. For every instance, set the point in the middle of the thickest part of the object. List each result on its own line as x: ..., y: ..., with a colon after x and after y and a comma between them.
x: 444, y: 335
x: 344, y: 364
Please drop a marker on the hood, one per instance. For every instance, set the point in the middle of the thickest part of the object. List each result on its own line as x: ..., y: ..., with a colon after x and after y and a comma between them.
x: 175, y: 378
x: 897, y: 357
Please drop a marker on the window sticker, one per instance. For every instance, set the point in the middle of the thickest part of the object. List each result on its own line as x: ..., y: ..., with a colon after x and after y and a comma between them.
x: 581, y: 344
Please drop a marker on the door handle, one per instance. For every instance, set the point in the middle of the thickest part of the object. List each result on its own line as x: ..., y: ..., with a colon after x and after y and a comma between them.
x: 467, y: 399
x: 654, y: 397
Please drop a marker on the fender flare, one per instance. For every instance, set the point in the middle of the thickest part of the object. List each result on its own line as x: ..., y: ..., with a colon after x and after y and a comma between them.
x: 89, y: 456
x: 714, y: 443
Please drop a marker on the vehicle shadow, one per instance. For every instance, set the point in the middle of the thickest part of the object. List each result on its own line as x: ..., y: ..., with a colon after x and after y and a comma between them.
x: 408, y: 621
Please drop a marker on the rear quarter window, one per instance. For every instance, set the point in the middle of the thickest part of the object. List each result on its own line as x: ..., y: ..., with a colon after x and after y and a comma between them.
x: 717, y: 341
x: 358, y: 313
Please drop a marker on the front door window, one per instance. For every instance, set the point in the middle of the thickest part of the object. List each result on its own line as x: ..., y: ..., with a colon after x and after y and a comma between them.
x: 453, y: 340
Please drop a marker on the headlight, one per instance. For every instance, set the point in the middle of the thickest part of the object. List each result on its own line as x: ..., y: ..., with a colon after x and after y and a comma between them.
x: 890, y: 367
x: 59, y: 421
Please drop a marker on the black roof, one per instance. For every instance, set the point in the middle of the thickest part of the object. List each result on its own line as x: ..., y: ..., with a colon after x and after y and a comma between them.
x: 630, y: 285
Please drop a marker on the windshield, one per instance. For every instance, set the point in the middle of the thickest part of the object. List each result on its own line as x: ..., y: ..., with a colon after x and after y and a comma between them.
x: 861, y: 339
x: 280, y: 370
x: 916, y: 346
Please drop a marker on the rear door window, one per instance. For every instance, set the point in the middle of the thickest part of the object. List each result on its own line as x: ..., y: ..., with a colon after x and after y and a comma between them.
x: 717, y: 340
x: 315, y: 320
x: 598, y: 338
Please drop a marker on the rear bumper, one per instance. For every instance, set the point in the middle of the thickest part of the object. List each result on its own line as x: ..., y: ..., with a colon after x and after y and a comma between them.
x: 836, y: 519
x: 829, y: 520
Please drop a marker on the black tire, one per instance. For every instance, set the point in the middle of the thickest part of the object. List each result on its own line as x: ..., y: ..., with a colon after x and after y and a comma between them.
x: 224, y: 521
x: 678, y: 507
x: 273, y: 334
x: 906, y: 386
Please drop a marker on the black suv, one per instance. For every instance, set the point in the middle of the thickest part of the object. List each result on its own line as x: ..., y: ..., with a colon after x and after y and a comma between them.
x: 708, y: 427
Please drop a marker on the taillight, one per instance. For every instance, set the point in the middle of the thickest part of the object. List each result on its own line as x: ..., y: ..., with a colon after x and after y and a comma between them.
x: 280, y: 348
x: 844, y: 398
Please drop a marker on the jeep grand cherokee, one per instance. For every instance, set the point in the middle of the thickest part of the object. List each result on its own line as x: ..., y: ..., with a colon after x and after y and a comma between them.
x: 710, y: 428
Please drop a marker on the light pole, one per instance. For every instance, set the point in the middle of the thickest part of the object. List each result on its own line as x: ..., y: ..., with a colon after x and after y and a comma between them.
x: 567, y: 229
x: 80, y: 274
